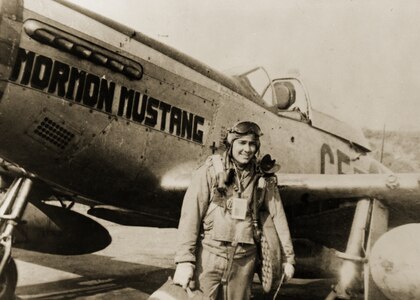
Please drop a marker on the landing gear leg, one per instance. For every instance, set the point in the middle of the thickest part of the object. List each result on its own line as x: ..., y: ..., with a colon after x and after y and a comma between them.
x: 11, y: 211
x: 354, y: 251
x: 378, y: 226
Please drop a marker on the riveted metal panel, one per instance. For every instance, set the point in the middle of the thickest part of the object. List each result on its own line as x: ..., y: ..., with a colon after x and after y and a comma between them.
x: 74, y: 120
x: 112, y: 161
x: 157, y: 82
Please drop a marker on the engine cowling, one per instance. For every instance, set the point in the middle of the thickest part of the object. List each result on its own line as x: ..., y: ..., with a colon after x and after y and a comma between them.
x: 395, y: 263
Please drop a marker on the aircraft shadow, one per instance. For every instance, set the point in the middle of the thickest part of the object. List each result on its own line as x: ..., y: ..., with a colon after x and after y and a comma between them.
x: 99, y: 275
x: 102, y: 277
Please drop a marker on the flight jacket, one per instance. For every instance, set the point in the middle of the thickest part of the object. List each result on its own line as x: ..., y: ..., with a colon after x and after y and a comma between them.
x: 207, y: 222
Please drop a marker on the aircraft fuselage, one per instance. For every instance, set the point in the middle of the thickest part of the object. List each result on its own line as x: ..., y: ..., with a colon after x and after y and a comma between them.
x: 107, y: 115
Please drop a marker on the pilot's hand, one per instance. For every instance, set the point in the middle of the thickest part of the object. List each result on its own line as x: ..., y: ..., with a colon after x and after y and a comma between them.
x: 183, y: 274
x: 288, y: 270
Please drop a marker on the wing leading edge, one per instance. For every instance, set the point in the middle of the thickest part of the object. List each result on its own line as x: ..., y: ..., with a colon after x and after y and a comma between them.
x: 399, y: 192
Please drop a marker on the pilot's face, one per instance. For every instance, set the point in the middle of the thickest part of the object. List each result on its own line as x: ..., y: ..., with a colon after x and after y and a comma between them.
x: 244, y: 149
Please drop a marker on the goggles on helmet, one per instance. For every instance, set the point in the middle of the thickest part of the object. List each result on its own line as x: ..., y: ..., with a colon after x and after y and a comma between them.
x: 246, y: 127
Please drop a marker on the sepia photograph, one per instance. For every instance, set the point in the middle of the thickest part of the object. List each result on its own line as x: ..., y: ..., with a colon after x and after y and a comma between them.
x: 225, y: 150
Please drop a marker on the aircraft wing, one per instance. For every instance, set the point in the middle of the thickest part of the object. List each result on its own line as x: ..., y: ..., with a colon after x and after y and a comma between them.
x: 398, y: 191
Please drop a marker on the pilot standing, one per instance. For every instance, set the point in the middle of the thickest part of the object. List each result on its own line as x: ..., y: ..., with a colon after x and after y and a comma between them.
x: 216, y: 248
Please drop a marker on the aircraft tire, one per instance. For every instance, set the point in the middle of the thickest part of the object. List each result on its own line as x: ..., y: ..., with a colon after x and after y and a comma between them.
x: 8, y: 281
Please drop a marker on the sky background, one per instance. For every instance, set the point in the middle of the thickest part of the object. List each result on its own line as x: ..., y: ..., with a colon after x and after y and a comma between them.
x: 359, y: 60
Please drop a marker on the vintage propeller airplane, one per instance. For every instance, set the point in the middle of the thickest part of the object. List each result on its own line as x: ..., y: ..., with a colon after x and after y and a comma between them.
x: 94, y: 112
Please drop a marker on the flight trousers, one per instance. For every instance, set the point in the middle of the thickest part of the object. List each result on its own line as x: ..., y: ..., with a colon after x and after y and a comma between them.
x: 220, y: 279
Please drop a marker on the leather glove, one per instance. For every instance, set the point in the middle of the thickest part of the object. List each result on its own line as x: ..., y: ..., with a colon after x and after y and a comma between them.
x: 183, y: 274
x: 288, y: 270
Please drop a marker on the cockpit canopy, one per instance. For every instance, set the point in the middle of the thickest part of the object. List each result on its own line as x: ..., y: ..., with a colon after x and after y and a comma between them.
x: 288, y: 98
x: 283, y: 96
